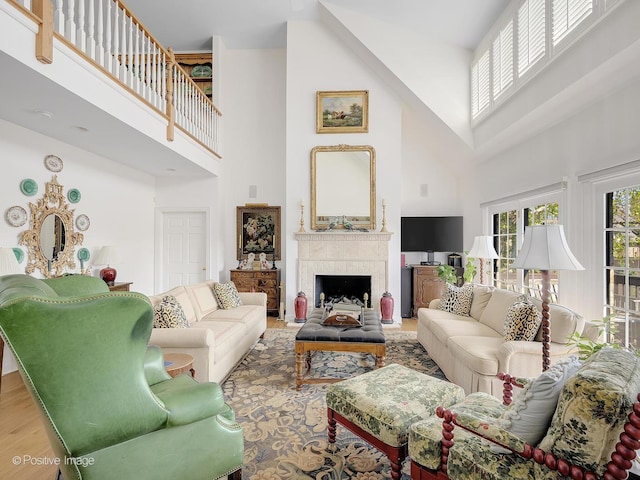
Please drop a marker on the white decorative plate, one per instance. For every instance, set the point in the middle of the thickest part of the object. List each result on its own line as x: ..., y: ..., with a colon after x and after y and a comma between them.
x: 16, y: 216
x: 82, y: 222
x: 53, y: 163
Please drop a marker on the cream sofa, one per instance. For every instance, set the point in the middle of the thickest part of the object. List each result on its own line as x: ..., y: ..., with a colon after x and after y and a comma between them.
x: 471, y: 350
x: 217, y: 339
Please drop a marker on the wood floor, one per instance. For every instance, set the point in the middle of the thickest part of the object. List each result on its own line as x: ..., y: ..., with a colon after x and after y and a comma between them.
x: 24, y: 447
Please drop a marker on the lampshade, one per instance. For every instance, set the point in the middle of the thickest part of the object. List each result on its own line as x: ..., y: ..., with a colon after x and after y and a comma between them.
x: 8, y: 262
x: 107, y: 255
x: 545, y: 248
x: 483, y: 247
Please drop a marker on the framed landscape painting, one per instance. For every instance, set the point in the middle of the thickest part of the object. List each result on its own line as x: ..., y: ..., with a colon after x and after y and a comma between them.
x: 342, y: 112
x: 258, y: 231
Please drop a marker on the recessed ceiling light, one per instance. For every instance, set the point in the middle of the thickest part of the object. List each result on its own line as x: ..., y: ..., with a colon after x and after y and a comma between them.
x: 82, y: 129
x: 43, y: 113
x: 171, y: 170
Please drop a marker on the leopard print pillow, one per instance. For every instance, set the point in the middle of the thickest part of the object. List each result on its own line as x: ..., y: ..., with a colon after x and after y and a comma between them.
x: 523, y: 320
x: 457, y: 299
x: 169, y: 314
x: 227, y: 295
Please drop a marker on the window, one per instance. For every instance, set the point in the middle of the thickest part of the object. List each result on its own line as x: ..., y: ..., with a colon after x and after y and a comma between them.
x: 508, y: 238
x: 566, y: 15
x: 622, y: 264
x: 531, y: 34
x: 480, y: 85
x: 502, y: 60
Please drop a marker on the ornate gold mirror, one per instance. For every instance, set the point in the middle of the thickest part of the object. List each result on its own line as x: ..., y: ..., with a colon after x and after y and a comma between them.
x: 51, y: 239
x: 343, y: 187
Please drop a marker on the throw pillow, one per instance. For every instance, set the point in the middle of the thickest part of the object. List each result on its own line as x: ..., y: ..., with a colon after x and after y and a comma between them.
x: 529, y: 415
x: 168, y: 313
x: 523, y: 320
x: 457, y: 299
x: 227, y: 295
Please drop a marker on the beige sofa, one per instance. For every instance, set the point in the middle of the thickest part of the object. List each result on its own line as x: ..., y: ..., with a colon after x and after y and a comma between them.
x: 217, y: 339
x: 471, y: 350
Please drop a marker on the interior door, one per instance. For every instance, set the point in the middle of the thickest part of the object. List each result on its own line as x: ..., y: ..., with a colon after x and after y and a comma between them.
x: 183, y: 251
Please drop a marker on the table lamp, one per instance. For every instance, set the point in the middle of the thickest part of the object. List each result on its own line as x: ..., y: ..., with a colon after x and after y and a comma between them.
x: 483, y: 249
x: 545, y: 248
x: 107, y: 255
x: 8, y: 262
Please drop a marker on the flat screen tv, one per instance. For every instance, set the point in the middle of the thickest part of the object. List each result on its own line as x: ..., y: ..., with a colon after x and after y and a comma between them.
x: 425, y: 234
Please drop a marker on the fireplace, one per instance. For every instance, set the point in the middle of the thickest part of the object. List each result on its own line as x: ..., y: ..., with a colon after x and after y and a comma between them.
x: 343, y: 288
x: 343, y: 253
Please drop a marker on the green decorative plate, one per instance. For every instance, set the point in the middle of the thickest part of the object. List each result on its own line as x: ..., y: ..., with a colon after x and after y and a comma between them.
x: 201, y: 71
x: 19, y: 253
x: 74, y: 195
x: 84, y: 254
x: 29, y: 187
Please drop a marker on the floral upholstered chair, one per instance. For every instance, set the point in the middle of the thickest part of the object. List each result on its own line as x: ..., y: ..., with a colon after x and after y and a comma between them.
x: 577, y: 420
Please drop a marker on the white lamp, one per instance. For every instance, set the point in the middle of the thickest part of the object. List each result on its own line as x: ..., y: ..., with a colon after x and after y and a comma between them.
x: 8, y: 262
x: 545, y: 248
x: 107, y: 255
x: 483, y: 248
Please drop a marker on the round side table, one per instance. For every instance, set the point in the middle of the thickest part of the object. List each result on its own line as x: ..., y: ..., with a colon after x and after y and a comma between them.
x: 177, y: 363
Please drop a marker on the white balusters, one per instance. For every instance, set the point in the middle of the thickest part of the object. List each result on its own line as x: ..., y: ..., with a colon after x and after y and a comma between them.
x: 80, y: 33
x: 58, y: 17
x: 70, y: 24
x: 91, y: 30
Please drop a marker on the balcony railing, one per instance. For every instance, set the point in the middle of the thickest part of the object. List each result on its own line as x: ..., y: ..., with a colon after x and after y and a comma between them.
x: 112, y: 39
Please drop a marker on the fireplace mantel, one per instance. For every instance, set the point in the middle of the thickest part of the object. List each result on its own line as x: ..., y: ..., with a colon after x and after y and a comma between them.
x: 344, y: 253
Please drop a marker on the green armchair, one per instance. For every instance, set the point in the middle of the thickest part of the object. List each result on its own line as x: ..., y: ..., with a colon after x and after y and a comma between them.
x: 109, y: 407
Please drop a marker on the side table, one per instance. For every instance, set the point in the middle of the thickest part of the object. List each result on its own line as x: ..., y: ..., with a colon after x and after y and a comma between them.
x: 177, y: 363
x: 120, y: 286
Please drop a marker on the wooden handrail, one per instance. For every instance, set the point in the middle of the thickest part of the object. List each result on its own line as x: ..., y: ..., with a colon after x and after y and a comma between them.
x: 110, y: 37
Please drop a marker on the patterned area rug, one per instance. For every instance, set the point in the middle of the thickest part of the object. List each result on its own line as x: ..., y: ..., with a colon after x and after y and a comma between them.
x: 285, y: 430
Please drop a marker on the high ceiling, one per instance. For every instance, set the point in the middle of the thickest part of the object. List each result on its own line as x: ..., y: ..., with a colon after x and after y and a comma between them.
x: 259, y: 24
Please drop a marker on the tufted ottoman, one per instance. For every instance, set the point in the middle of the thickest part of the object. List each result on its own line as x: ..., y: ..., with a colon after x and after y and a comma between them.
x: 380, y: 406
x: 314, y: 336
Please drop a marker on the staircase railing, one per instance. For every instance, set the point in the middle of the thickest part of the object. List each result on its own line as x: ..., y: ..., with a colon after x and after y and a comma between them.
x: 109, y: 36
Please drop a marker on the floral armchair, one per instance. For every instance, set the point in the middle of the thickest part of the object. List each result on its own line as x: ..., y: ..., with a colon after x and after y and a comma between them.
x: 577, y: 420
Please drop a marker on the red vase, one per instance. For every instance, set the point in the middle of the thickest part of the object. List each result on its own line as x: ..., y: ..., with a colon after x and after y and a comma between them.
x: 300, y: 305
x: 386, y: 307
x: 108, y: 274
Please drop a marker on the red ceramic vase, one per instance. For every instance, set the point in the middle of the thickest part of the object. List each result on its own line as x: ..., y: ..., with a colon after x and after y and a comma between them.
x: 386, y: 307
x: 300, y: 305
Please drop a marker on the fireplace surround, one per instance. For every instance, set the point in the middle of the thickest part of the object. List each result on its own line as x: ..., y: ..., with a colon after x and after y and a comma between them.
x: 343, y: 253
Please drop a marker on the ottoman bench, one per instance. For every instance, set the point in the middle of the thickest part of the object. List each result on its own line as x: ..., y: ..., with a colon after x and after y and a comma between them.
x: 380, y: 406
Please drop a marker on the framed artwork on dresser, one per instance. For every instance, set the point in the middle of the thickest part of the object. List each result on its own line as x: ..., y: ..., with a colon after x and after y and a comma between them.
x: 258, y: 231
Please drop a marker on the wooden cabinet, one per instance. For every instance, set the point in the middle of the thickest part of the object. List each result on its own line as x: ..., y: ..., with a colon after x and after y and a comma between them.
x: 426, y: 286
x: 267, y: 281
x: 199, y: 66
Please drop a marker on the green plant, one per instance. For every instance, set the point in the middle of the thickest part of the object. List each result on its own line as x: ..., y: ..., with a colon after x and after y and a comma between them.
x: 587, y: 347
x: 469, y: 270
x: 447, y: 274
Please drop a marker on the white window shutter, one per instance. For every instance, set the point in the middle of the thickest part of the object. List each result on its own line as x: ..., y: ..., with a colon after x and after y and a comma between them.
x: 503, y: 60
x: 480, y: 85
x: 566, y: 15
x: 531, y: 34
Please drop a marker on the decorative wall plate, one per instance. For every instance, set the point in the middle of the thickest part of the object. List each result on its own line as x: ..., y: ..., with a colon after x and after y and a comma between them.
x: 82, y: 222
x: 53, y: 163
x: 29, y: 187
x: 19, y: 253
x: 201, y: 71
x: 16, y: 216
x: 84, y: 254
x: 74, y: 195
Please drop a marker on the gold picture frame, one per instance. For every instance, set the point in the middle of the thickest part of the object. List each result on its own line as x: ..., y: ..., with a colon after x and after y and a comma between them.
x: 258, y: 231
x: 342, y: 112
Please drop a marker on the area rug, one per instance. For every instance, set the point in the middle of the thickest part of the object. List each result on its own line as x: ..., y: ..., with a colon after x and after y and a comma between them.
x: 285, y: 430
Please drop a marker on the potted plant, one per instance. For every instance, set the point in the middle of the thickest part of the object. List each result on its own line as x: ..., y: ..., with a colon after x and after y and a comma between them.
x: 587, y: 347
x: 469, y: 270
x: 447, y: 274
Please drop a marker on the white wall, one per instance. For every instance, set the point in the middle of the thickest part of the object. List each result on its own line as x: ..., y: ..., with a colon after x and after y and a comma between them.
x: 253, y: 86
x: 119, y: 201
